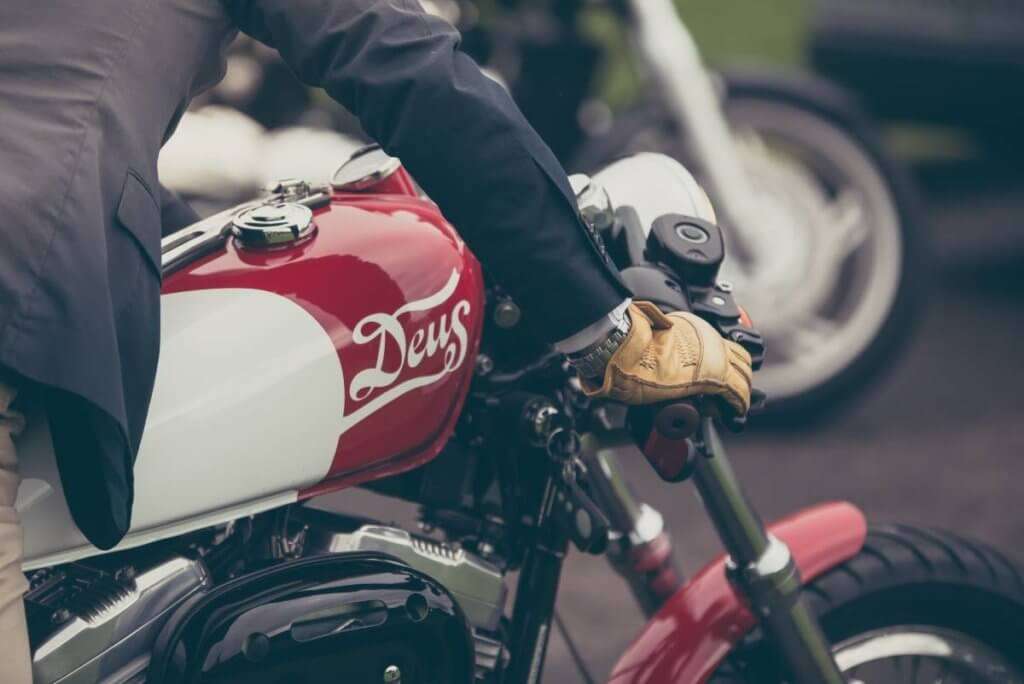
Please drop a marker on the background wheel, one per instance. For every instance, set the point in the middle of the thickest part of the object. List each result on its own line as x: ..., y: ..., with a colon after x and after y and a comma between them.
x: 837, y: 273
x: 913, y: 606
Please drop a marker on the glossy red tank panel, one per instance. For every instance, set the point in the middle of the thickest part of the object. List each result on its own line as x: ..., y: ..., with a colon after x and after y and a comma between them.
x: 686, y: 641
x: 400, y: 296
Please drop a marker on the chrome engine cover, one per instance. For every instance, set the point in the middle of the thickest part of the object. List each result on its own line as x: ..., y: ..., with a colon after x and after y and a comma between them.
x: 106, y: 623
x: 477, y: 585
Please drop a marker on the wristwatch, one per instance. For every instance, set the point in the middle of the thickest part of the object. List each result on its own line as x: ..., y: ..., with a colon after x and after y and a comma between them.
x: 591, y: 361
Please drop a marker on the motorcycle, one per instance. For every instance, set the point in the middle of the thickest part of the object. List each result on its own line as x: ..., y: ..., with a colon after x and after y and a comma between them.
x: 304, y: 352
x: 824, y: 227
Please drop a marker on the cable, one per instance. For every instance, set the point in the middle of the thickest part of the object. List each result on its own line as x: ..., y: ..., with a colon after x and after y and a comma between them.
x: 573, y: 651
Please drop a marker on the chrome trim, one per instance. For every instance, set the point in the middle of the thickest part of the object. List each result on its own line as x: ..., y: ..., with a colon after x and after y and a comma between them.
x: 634, y: 523
x: 775, y: 559
x: 489, y: 652
x: 352, y: 177
x: 288, y: 189
x: 648, y: 527
x: 108, y: 638
x: 211, y: 233
x: 477, y: 585
x: 208, y: 235
x: 635, y: 526
x: 919, y: 643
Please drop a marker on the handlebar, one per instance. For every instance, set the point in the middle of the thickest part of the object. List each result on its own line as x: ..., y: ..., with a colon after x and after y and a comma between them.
x: 676, y: 265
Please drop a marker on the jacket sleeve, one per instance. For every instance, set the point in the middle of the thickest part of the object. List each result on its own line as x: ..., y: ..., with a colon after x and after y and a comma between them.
x: 175, y: 213
x: 399, y: 70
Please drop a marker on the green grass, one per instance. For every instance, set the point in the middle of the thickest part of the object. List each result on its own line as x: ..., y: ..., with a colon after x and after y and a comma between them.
x: 748, y: 30
x: 727, y: 31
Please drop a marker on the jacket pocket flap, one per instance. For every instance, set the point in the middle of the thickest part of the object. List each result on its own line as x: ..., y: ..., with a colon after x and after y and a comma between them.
x: 139, y: 214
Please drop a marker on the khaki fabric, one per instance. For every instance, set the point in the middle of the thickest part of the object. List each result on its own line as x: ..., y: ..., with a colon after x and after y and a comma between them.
x: 673, y: 356
x: 15, y: 662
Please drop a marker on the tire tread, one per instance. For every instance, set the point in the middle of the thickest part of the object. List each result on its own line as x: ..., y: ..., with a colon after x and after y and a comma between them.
x: 899, y: 558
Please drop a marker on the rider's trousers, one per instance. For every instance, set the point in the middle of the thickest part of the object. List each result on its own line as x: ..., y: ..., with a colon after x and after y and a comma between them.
x: 15, y: 663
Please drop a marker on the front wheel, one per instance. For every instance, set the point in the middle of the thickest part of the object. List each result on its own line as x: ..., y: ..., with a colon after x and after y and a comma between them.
x: 913, y: 606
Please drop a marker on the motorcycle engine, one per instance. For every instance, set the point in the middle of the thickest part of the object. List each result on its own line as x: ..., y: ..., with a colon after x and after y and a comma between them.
x: 359, y: 616
x: 354, y: 602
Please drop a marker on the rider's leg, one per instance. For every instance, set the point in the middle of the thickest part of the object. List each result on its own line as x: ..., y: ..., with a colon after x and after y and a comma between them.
x: 15, y: 662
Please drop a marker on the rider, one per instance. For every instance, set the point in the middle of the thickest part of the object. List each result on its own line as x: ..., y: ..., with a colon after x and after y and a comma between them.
x: 90, y: 92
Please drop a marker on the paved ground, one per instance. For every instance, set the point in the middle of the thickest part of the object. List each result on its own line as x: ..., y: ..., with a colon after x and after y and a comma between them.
x: 938, y: 441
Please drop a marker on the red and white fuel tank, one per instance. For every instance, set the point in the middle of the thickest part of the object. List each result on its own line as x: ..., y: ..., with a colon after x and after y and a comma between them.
x: 311, y: 343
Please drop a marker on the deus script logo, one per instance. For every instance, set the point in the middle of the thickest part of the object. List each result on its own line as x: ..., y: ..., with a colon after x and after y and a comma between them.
x: 446, y: 338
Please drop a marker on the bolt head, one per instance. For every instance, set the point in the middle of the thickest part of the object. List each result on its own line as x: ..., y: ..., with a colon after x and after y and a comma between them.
x: 507, y: 314
x: 484, y: 364
x: 392, y: 674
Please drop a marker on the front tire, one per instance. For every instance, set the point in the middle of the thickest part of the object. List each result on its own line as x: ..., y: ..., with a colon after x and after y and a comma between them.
x: 912, y: 606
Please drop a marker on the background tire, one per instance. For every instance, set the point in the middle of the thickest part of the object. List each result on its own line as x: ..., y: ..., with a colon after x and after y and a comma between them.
x: 799, y: 394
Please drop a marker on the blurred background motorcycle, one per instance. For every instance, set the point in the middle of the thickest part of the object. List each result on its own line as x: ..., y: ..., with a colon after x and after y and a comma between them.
x: 822, y: 224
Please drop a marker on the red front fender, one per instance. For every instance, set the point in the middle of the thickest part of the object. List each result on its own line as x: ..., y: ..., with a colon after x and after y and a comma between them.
x: 695, y: 630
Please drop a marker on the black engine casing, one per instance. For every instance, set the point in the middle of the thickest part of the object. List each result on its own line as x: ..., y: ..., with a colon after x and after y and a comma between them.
x: 333, y: 618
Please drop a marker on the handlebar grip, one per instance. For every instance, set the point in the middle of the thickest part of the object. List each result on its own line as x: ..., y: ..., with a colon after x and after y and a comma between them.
x: 677, y: 420
x: 664, y: 431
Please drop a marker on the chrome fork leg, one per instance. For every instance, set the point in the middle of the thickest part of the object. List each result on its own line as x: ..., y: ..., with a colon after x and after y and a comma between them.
x: 761, y: 566
x: 640, y: 549
x: 672, y: 55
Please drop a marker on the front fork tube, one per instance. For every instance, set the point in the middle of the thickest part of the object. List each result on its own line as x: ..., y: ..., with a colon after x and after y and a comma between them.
x: 640, y: 549
x: 760, y: 566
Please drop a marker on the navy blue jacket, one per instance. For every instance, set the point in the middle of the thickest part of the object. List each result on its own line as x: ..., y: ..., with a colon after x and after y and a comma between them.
x: 91, y: 90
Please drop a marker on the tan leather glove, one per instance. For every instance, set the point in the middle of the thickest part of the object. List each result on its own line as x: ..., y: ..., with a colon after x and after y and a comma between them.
x: 675, y: 356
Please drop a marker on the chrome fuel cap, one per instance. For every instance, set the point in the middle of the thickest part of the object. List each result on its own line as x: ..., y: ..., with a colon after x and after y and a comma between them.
x: 269, y: 225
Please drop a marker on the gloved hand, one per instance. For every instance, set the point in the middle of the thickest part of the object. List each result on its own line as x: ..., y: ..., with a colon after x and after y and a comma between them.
x: 673, y: 356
